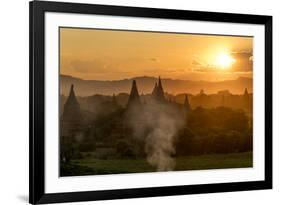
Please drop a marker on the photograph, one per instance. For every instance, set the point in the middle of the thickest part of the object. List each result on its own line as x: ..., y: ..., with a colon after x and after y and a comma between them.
x: 133, y: 102
x: 149, y: 101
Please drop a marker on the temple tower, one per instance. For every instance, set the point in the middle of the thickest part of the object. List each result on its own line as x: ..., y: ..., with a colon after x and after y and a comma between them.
x: 71, y: 119
x: 202, y: 92
x: 186, y: 103
x: 246, y: 100
x: 186, y: 106
x: 158, y: 91
x: 246, y: 94
x: 134, y: 98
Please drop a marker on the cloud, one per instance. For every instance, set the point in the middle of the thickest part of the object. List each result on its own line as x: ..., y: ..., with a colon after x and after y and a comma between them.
x: 201, y: 66
x: 243, y: 60
x: 242, y: 54
x: 87, y: 66
x: 96, y: 66
x: 153, y: 59
x: 196, y: 63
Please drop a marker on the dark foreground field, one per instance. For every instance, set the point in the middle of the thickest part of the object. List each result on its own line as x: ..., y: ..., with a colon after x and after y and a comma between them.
x: 90, y: 165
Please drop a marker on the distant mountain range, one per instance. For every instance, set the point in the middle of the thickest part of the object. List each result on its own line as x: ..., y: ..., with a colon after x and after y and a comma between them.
x: 146, y: 84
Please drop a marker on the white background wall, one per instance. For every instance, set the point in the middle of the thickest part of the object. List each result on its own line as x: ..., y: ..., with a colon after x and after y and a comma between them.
x: 14, y: 44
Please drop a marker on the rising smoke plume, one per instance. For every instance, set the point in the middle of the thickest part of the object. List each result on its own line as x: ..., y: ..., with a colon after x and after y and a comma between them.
x: 156, y: 125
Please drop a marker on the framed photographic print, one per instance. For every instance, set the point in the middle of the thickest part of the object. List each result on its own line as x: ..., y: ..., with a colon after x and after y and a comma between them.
x: 140, y: 102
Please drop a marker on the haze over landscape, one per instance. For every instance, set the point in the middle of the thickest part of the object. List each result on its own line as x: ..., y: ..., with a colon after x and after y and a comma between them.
x: 145, y: 85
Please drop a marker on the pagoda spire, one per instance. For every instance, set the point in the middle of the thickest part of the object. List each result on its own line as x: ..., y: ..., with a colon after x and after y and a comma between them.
x: 186, y: 103
x: 158, y: 92
x: 247, y: 102
x: 72, y: 117
x: 246, y: 92
x: 71, y: 102
x: 72, y: 95
x: 160, y: 88
x: 134, y: 98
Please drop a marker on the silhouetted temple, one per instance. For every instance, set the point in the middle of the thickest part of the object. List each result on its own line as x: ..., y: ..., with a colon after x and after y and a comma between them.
x: 157, y: 96
x: 186, y: 108
x: 247, y: 101
x: 134, y: 98
x: 186, y: 104
x: 71, y: 118
x: 158, y: 91
x: 202, y: 93
x: 246, y: 94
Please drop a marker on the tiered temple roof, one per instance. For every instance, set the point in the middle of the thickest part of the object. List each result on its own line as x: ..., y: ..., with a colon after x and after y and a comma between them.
x: 158, y: 91
x: 72, y: 116
x: 134, y: 98
x: 186, y: 104
x: 71, y: 107
x: 246, y: 92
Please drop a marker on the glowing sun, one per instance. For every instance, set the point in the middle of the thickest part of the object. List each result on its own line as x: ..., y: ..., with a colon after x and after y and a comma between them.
x: 224, y: 60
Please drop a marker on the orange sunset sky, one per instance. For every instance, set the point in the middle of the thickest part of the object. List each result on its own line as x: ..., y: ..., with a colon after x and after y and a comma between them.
x: 114, y: 55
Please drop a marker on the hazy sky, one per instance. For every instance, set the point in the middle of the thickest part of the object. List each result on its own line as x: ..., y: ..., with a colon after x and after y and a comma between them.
x: 113, y: 55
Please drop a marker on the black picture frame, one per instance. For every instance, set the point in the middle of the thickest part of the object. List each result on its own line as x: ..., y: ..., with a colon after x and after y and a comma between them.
x: 37, y: 10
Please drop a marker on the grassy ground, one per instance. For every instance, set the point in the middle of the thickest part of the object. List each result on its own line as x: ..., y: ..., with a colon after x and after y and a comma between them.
x: 92, y: 166
x: 217, y: 161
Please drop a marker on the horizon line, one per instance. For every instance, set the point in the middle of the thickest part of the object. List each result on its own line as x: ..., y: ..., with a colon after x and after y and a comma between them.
x: 144, y: 76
